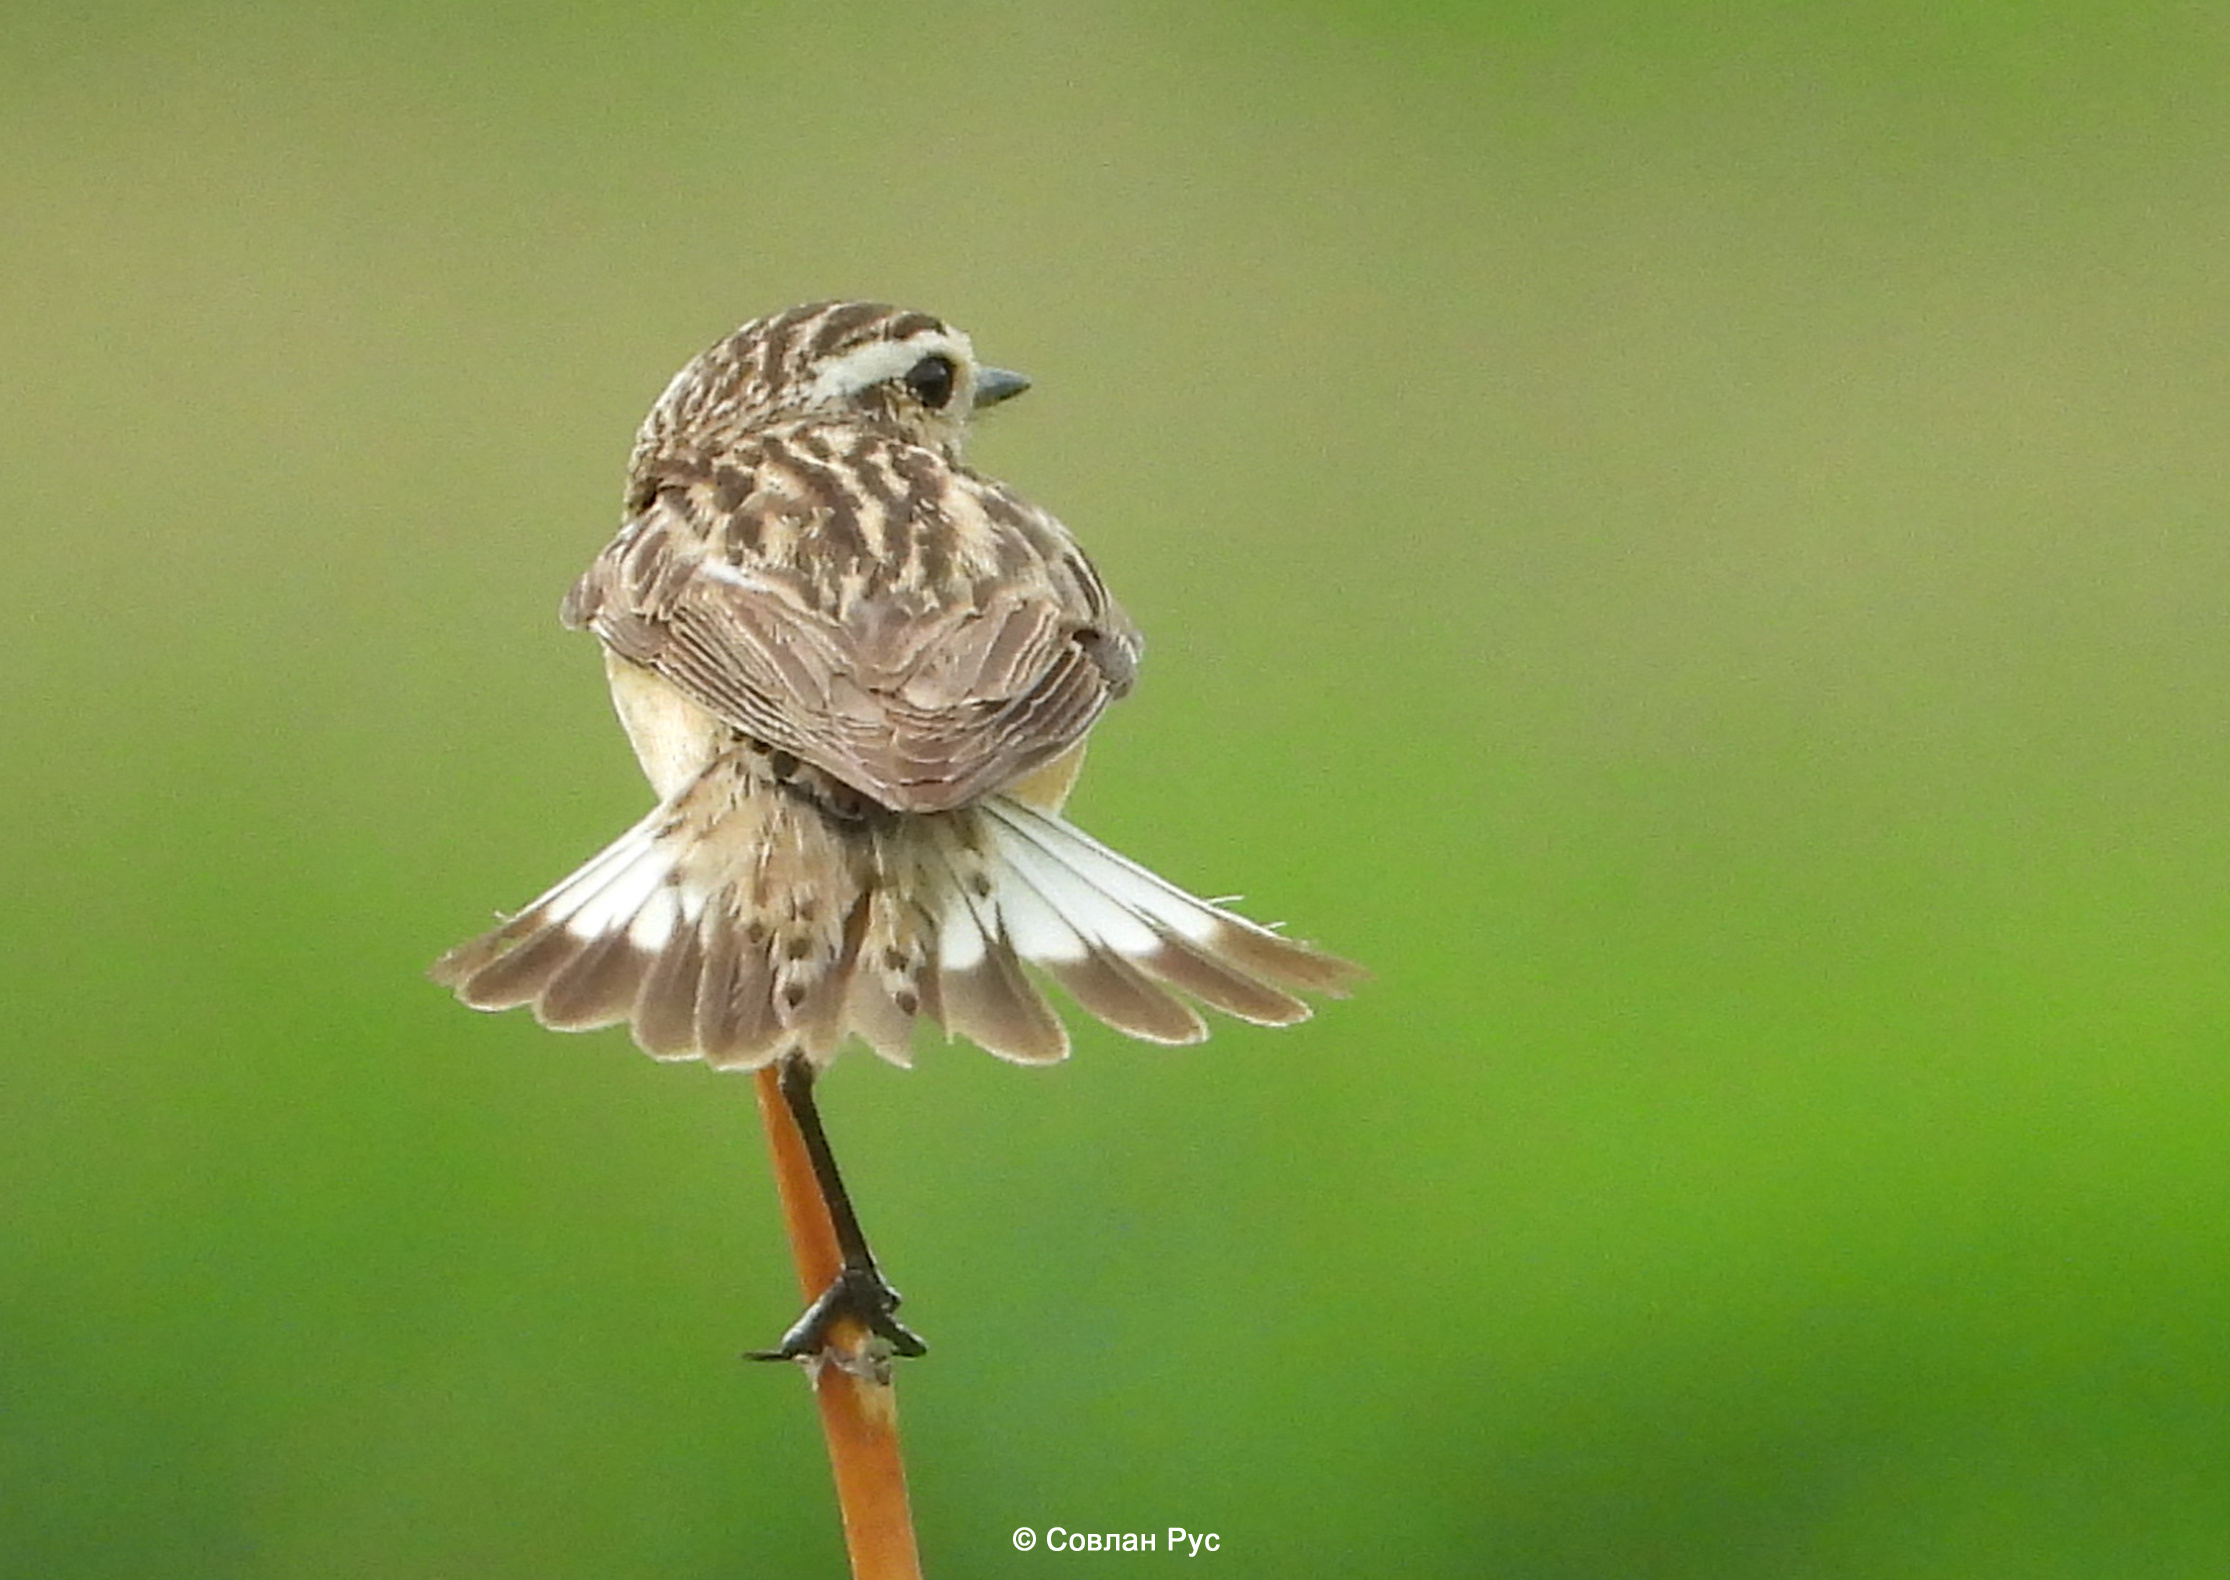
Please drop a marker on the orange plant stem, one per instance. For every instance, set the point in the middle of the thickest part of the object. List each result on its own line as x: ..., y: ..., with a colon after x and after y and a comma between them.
x: 859, y: 1408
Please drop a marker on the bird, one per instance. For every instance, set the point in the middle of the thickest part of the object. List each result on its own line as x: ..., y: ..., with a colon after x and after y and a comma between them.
x: 859, y: 676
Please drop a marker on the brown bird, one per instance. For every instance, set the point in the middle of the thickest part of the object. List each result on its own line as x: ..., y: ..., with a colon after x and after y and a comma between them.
x: 859, y: 675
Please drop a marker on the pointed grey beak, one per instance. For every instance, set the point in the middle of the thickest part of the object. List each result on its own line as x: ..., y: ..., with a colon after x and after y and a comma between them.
x: 994, y: 385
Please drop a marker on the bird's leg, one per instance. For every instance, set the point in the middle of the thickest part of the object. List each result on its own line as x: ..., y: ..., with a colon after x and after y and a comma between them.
x: 858, y: 1291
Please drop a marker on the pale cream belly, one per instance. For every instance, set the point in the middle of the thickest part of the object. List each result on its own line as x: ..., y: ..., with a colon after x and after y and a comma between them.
x: 673, y: 737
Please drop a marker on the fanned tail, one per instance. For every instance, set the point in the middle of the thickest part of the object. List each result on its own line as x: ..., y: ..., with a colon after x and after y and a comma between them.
x: 738, y: 923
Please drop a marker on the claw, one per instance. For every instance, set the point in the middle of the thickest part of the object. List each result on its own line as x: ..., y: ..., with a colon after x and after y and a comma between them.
x: 856, y: 1292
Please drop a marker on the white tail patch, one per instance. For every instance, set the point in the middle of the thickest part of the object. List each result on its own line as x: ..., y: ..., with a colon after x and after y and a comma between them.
x: 616, y: 903
x: 1128, y: 945
x: 1104, y: 896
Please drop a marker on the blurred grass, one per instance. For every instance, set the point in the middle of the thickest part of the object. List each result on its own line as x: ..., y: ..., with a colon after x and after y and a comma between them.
x: 1689, y: 540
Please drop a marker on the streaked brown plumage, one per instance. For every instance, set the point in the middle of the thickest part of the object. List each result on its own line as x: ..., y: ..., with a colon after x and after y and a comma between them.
x: 859, y: 676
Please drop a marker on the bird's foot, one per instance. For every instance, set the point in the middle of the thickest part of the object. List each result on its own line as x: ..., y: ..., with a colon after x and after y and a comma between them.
x: 858, y: 1293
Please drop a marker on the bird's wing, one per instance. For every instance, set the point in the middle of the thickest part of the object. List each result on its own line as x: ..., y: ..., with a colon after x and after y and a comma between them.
x: 913, y: 628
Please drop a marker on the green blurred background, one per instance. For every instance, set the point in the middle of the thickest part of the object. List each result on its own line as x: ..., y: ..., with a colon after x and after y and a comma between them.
x: 1691, y: 540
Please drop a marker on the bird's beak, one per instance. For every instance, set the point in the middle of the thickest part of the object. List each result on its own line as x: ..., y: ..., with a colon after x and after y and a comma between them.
x: 994, y: 385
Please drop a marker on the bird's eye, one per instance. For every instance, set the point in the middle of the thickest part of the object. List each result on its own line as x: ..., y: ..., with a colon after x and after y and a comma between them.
x: 931, y: 380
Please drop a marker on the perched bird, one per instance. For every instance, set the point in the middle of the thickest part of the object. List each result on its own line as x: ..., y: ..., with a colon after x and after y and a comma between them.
x: 859, y: 676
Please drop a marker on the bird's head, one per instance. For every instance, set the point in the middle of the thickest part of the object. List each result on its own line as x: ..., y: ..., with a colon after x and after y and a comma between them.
x: 859, y: 364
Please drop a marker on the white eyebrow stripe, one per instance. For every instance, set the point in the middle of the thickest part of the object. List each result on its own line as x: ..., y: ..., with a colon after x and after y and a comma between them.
x: 880, y: 360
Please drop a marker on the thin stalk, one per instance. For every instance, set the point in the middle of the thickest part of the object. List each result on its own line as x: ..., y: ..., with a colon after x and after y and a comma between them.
x: 851, y: 1377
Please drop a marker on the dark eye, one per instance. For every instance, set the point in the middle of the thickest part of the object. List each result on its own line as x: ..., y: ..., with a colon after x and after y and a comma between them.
x: 931, y: 380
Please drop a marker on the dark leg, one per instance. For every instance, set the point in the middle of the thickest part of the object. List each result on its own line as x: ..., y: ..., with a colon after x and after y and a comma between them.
x: 858, y: 1290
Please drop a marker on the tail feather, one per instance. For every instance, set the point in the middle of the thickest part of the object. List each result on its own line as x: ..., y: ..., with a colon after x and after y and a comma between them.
x: 666, y: 1009
x: 1085, y: 941
x: 890, y: 983
x: 1170, y: 936
x: 735, y: 928
x: 986, y: 997
x: 737, y: 1026
x: 1199, y: 970
x: 519, y: 974
x: 995, y: 1007
x: 1117, y: 992
x: 597, y: 987
x: 1290, y: 964
x: 875, y: 1016
x: 517, y: 962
